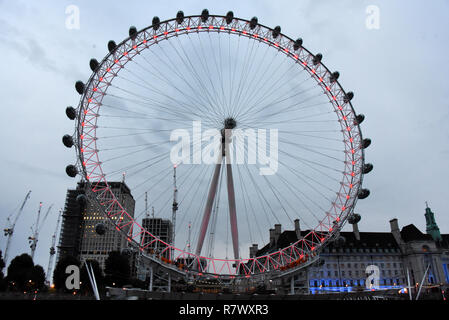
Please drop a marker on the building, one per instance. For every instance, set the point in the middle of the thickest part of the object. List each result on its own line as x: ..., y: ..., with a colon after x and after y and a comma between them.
x: 70, y: 234
x: 160, y: 228
x: 424, y: 254
x: 346, y: 263
x: 94, y: 246
x: 78, y: 232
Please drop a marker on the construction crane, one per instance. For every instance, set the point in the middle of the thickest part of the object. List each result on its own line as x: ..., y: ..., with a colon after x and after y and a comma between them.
x: 10, y: 229
x: 36, y: 228
x: 52, y: 248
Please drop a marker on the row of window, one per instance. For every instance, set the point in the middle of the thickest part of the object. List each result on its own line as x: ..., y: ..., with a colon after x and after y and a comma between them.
x: 361, y: 250
x: 357, y: 273
x: 363, y: 257
x: 353, y: 282
x: 362, y: 265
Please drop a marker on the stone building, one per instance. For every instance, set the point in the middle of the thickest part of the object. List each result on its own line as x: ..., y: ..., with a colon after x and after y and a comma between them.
x: 398, y: 255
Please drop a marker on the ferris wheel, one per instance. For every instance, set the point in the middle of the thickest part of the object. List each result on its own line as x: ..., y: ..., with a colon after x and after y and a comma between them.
x: 257, y: 132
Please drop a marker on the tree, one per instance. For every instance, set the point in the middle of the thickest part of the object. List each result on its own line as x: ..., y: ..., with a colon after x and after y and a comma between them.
x: 2, y: 276
x: 117, y: 269
x: 38, y: 278
x: 20, y: 272
x: 59, y: 275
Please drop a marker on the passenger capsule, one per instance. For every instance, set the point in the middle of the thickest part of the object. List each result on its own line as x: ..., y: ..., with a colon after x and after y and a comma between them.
x: 156, y: 23
x: 317, y: 58
x: 180, y: 17
x: 276, y: 31
x: 297, y: 44
x: 363, y: 194
x: 334, y: 76
x: 204, y: 15
x: 253, y: 23
x: 93, y: 64
x: 229, y: 17
x: 348, y: 96
x: 359, y: 119
x: 111, y: 46
x: 71, y: 113
x: 71, y: 171
x: 133, y: 32
x: 67, y: 140
x: 366, y: 143
x: 367, y: 168
x: 100, y: 229
x: 355, y: 218
x: 81, y: 199
x: 79, y: 86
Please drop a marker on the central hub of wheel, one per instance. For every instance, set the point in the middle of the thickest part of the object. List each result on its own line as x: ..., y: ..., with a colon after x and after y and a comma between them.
x: 226, y: 132
x: 230, y: 123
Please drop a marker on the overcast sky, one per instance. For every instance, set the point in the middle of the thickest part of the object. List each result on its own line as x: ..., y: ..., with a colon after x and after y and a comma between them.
x: 397, y: 72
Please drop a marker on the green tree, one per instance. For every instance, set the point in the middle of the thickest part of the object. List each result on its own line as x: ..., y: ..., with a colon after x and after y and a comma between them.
x: 59, y: 275
x: 117, y: 269
x: 20, y: 272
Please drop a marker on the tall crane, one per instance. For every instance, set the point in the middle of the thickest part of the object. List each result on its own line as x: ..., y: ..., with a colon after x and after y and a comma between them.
x: 10, y: 229
x: 36, y: 228
x: 52, y: 248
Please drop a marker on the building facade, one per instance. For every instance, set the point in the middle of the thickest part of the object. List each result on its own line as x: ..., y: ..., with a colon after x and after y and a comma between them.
x: 378, y: 260
x: 78, y: 233
x: 71, y: 225
x: 160, y: 228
